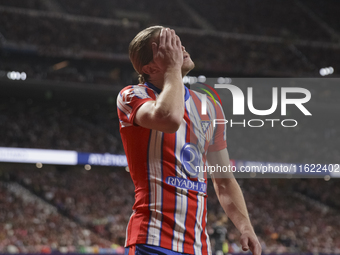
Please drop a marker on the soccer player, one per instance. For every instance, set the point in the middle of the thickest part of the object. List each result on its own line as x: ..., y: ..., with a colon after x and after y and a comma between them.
x: 165, y: 137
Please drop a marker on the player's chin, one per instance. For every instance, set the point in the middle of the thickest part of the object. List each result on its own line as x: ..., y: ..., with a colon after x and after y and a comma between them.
x: 187, y: 67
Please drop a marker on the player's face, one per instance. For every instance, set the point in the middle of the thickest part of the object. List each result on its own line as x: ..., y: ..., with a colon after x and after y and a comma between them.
x: 188, y: 64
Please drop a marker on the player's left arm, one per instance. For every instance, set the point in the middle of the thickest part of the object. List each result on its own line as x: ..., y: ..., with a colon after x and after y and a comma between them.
x: 231, y: 199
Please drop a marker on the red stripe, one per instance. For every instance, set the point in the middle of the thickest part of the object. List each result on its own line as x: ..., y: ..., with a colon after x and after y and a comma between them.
x: 204, y: 236
x: 189, y: 237
x: 138, y: 224
x: 169, y: 192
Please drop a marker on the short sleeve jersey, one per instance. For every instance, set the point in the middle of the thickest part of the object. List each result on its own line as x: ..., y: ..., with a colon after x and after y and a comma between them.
x: 170, y: 207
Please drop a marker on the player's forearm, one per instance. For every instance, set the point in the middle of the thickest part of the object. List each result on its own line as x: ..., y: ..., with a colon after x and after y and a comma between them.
x: 232, y: 201
x: 169, y: 106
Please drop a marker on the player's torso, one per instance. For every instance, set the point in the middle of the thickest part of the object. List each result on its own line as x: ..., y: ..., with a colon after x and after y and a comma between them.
x: 170, y: 207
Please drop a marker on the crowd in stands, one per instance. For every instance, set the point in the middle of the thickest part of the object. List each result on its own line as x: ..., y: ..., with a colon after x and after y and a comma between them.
x: 248, y: 57
x: 57, y: 36
x: 27, y: 226
x: 52, y: 33
x: 47, y: 125
x: 147, y: 12
x: 83, y: 71
x: 256, y: 17
x: 280, y: 19
x: 284, y: 222
x: 257, y: 57
x: 101, y: 200
x: 29, y: 4
x: 327, y: 11
x: 320, y: 57
x: 313, y: 188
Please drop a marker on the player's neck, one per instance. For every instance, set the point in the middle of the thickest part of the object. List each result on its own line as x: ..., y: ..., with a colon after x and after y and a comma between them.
x: 158, y: 82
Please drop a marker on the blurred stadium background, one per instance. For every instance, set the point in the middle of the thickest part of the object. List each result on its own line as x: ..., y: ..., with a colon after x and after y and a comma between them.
x: 62, y: 64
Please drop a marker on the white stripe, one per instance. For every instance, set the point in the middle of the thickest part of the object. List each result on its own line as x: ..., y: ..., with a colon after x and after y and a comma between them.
x: 140, y: 91
x: 122, y: 107
x: 180, y: 216
x: 181, y: 199
x: 124, y: 124
x: 212, y: 116
x: 204, y: 104
x: 127, y: 228
x: 198, y: 225
x: 155, y: 181
x: 206, y: 233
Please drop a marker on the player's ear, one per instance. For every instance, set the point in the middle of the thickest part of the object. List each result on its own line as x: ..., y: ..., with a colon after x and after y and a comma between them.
x: 150, y: 69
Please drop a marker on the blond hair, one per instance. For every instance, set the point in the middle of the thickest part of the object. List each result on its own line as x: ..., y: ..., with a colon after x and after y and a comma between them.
x: 140, y: 50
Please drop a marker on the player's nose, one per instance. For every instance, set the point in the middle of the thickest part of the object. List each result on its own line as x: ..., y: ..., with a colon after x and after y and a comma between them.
x: 183, y: 48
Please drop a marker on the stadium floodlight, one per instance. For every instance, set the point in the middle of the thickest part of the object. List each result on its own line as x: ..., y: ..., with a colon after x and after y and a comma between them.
x: 221, y: 80
x: 192, y: 79
x: 23, y: 76
x: 185, y: 79
x: 326, y: 71
x: 14, y: 75
x: 202, y: 78
x: 224, y: 80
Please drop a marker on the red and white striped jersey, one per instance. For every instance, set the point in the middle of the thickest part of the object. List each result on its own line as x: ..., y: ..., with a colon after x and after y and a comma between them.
x: 170, y: 195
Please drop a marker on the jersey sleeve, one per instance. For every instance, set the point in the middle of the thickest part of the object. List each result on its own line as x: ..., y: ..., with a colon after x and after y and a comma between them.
x: 219, y: 140
x: 129, y: 100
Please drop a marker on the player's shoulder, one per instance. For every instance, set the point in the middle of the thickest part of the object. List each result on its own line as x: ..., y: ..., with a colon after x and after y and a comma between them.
x: 133, y: 93
x: 133, y: 87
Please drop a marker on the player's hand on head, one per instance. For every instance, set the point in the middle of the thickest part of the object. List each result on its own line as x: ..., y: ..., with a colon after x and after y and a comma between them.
x: 168, y: 53
x: 249, y: 241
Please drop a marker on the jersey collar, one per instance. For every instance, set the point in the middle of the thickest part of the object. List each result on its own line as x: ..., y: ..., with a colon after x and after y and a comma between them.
x: 151, y: 86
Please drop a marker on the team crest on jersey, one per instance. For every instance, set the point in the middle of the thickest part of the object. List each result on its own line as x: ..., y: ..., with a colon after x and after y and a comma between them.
x: 207, y: 129
x: 205, y: 125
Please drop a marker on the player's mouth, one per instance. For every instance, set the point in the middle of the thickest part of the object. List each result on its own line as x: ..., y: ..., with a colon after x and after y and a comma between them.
x: 185, y: 56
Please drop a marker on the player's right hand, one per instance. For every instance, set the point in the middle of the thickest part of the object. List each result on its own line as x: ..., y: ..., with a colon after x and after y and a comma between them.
x: 169, y: 53
x: 250, y: 241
